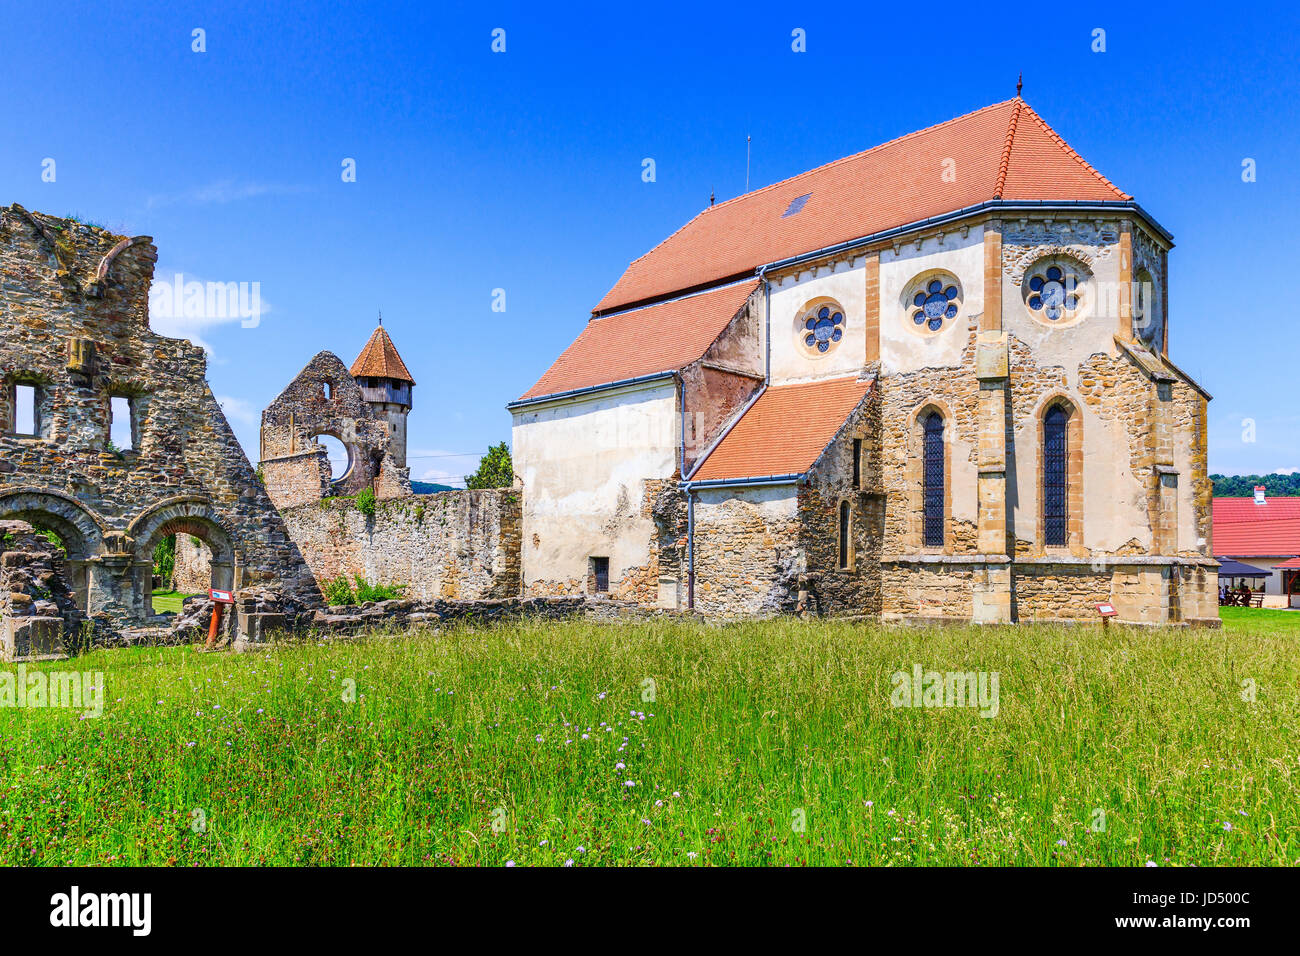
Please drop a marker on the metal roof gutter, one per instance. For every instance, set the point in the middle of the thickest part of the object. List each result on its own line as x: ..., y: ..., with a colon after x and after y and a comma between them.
x: 792, y: 478
x: 988, y: 205
x: 587, y: 390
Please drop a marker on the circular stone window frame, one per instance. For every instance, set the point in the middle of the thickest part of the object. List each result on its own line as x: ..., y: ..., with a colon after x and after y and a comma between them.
x: 801, y: 330
x: 919, y: 285
x: 1083, y: 289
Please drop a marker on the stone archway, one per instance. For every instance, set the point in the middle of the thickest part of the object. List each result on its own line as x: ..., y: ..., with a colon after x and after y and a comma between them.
x: 193, y: 516
x: 81, y: 532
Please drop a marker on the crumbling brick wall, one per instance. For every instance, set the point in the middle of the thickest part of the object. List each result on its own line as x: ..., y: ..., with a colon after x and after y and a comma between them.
x: 75, y: 302
x: 454, y: 545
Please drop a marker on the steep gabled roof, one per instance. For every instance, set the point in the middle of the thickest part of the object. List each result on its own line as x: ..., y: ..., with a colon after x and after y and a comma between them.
x: 785, y: 431
x: 1234, y: 510
x: 665, y: 337
x: 1003, y: 151
x: 1242, y: 527
x: 1257, y: 538
x: 379, y: 359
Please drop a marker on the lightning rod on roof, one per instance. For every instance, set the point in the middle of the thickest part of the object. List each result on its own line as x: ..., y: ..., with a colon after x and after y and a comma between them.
x: 381, y: 316
x: 747, y: 164
x: 1020, y: 82
x: 710, y: 196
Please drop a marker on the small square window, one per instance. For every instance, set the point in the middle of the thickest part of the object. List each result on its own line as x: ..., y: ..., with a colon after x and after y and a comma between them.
x: 600, y: 575
x: 26, y: 410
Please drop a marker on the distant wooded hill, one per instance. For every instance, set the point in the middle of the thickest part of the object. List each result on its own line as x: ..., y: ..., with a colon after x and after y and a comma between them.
x: 428, y: 487
x: 1243, y: 486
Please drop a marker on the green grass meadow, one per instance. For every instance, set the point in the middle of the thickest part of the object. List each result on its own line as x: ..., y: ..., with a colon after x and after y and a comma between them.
x: 168, y: 602
x: 671, y: 742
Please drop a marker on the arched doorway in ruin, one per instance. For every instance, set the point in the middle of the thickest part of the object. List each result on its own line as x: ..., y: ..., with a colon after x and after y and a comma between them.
x: 190, y: 517
x: 80, y: 534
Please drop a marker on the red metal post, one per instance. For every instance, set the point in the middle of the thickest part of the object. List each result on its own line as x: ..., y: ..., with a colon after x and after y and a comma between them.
x: 215, y: 627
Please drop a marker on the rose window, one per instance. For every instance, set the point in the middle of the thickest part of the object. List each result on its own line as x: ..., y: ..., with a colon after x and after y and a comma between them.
x: 823, y: 328
x: 1053, y: 292
x: 936, y: 302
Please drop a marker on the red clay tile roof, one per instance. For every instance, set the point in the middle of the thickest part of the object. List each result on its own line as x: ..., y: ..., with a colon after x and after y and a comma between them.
x: 1257, y: 538
x: 379, y: 359
x: 785, y: 431
x: 1232, y: 510
x: 661, y: 338
x: 1004, y: 151
x: 1243, y: 528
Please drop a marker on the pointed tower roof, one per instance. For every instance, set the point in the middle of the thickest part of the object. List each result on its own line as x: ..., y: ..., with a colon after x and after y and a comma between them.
x: 379, y: 359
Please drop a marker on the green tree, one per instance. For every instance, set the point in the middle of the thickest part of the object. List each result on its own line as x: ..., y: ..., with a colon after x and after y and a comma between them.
x: 164, y: 559
x: 1243, y: 486
x: 495, y: 469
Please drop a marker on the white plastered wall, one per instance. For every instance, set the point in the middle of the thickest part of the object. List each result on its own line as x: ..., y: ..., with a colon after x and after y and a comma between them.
x: 792, y: 292
x: 902, y: 347
x: 584, y: 463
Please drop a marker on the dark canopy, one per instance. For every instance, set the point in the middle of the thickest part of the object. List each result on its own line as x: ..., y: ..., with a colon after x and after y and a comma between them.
x: 1229, y: 568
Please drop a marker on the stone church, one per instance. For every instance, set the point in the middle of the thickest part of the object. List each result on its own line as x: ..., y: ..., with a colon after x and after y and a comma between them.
x: 928, y: 381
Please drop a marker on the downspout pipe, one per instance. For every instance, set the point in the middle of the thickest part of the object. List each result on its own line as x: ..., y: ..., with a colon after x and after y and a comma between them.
x: 690, y: 548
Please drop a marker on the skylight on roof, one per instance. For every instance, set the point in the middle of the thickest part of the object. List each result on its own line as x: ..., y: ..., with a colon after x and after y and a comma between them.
x: 796, y: 204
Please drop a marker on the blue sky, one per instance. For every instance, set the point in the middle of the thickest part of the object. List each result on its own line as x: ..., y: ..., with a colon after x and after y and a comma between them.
x: 521, y: 170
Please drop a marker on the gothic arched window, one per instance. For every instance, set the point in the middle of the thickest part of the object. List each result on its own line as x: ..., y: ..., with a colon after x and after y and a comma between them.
x: 1056, y: 476
x: 932, y: 493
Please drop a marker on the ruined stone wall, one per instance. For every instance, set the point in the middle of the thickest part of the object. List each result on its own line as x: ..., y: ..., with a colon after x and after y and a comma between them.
x: 747, y: 551
x: 74, y: 305
x: 193, y: 570
x: 324, y: 399
x: 844, y: 584
x: 454, y: 545
x: 37, y: 608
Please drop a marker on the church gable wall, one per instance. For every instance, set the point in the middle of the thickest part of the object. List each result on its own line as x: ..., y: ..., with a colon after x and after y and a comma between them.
x: 590, y: 469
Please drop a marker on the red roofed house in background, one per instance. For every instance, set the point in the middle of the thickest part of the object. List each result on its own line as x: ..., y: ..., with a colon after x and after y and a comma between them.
x: 1263, y: 532
x: 930, y: 380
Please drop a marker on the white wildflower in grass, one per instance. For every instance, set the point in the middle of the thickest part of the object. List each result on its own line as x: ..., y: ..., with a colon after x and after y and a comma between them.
x: 619, y: 766
x: 1227, y: 825
x: 568, y: 862
x: 629, y: 783
x: 1061, y: 843
x: 510, y: 862
x: 692, y: 854
x: 1152, y: 863
x: 581, y: 849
